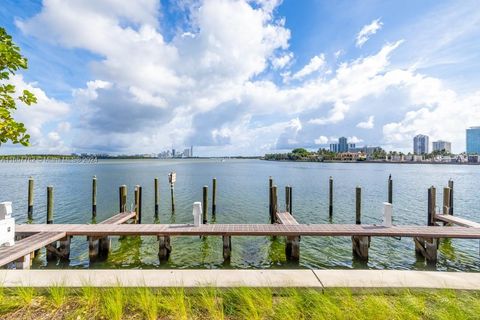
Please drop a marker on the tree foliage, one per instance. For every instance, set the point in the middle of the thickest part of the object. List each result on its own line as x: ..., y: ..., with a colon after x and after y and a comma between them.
x: 11, y: 61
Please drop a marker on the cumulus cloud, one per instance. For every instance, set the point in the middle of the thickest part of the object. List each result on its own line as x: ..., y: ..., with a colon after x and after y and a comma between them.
x: 354, y: 139
x: 315, y: 64
x: 367, y: 31
x: 321, y: 140
x: 367, y: 124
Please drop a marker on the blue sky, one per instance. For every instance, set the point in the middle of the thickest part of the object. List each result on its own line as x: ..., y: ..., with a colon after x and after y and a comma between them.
x: 244, y: 77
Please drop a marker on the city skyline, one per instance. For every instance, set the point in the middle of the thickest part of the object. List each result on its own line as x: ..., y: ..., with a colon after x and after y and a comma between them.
x: 244, y: 77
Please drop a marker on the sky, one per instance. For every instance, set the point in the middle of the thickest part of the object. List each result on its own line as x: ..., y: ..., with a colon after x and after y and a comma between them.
x: 244, y: 77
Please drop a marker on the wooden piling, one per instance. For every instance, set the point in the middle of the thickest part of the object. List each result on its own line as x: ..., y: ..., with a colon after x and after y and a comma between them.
x: 330, y: 197
x: 214, y: 196
x: 164, y: 248
x: 155, y: 190
x: 358, y: 205
x: 138, y: 204
x: 172, y: 197
x: 205, y: 205
x: 287, y: 198
x: 432, y: 199
x: 274, y: 204
x: 227, y: 247
x: 446, y: 200
x: 270, y: 185
x: 290, y: 198
x: 30, y: 199
x: 390, y: 189
x: 450, y: 185
x: 94, y: 197
x: 122, y: 193
x: 49, y: 205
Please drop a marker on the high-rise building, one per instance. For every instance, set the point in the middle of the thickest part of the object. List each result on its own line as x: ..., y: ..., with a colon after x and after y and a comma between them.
x: 441, y: 145
x: 186, y: 153
x: 191, y: 151
x: 334, y: 147
x: 173, y: 153
x: 342, y: 144
x: 420, y: 144
x: 473, y: 140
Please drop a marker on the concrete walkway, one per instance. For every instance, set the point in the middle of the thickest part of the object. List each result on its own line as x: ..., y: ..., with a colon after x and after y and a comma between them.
x: 237, y: 278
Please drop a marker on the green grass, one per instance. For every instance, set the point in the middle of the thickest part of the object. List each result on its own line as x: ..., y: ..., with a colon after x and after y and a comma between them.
x: 236, y: 303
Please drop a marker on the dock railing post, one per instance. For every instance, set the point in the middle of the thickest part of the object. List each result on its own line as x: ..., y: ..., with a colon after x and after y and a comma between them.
x: 287, y: 199
x: 30, y: 199
x: 290, y: 198
x: 330, y: 197
x: 138, y: 204
x: 155, y: 187
x: 205, y: 205
x: 214, y: 197
x: 270, y: 197
x: 358, y: 205
x: 432, y: 200
x: 94, y: 197
x: 446, y: 200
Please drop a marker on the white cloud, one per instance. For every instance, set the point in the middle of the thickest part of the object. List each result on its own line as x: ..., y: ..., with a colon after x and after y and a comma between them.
x: 282, y: 61
x: 367, y: 31
x: 354, y: 139
x: 321, y: 140
x: 315, y: 64
x: 367, y: 124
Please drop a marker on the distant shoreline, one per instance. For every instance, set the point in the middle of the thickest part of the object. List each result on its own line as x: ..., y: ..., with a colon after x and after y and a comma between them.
x: 381, y: 162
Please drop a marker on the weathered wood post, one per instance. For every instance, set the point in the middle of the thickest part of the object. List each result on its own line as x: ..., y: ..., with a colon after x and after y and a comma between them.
x: 122, y: 198
x: 274, y: 204
x: 164, y: 248
x: 172, y: 178
x: 330, y: 197
x: 30, y: 199
x: 360, y: 244
x: 214, y: 196
x: 205, y: 205
x: 287, y: 198
x: 138, y: 204
x: 94, y: 197
x: 358, y: 205
x: 270, y: 199
x: 227, y: 247
x: 155, y: 187
x: 428, y: 247
x: 446, y: 200
x: 49, y: 205
x: 450, y: 185
x: 290, y: 198
x: 390, y: 189
x: 51, y: 249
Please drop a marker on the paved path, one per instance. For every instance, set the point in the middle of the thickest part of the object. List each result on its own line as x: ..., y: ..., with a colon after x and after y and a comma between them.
x: 236, y: 278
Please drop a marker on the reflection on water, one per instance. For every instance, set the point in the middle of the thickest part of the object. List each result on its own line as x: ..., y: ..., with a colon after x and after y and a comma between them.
x: 242, y: 197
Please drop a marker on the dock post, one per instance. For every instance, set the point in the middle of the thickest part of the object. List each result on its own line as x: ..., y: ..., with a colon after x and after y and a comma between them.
x: 274, y: 204
x: 287, y: 198
x: 51, y: 249
x: 164, y: 248
x: 270, y: 199
x: 428, y: 247
x: 138, y: 204
x: 214, y: 197
x: 94, y: 197
x: 360, y: 244
x: 63, y: 249
x: 24, y: 262
x: 205, y: 205
x: 155, y: 187
x: 227, y: 247
x: 358, y: 205
x: 172, y: 197
x: 30, y: 199
x: 390, y: 189
x: 450, y: 205
x: 432, y: 200
x: 446, y: 200
x: 330, y: 197
x: 122, y: 192
x: 290, y: 197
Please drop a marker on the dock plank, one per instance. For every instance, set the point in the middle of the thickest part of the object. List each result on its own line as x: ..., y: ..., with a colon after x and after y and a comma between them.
x: 286, y: 218
x: 254, y: 230
x: 457, y: 221
x: 30, y: 244
x: 119, y: 218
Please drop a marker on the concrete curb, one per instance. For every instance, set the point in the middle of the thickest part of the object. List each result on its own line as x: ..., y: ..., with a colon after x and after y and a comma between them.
x: 241, y: 278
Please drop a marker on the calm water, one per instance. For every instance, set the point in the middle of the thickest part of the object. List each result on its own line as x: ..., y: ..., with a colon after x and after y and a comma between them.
x: 242, y: 197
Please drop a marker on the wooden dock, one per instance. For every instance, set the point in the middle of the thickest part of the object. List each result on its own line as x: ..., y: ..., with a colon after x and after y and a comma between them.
x: 338, y: 230
x: 447, y: 218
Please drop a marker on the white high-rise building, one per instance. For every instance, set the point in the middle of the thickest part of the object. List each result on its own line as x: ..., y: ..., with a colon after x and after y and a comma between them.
x: 441, y: 145
x: 420, y: 144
